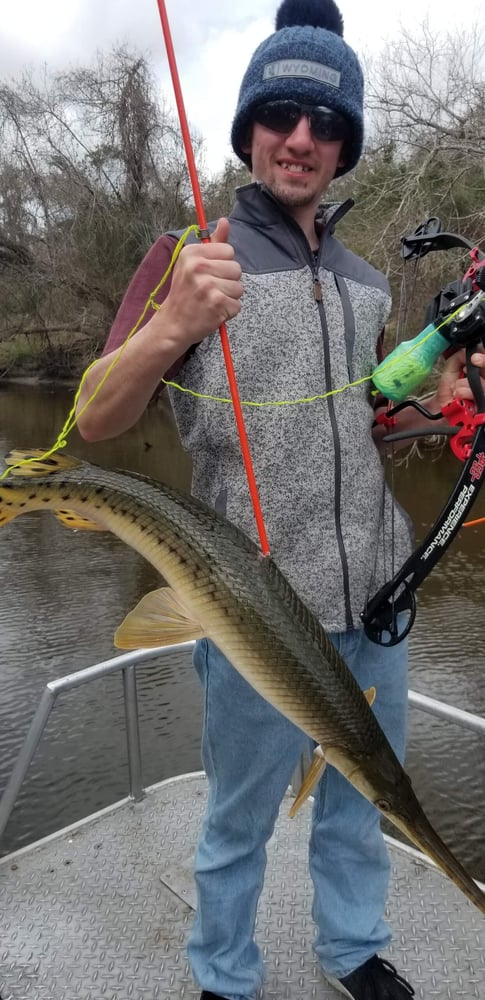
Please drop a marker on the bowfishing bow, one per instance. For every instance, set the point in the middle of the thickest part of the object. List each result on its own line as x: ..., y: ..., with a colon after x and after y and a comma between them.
x: 456, y: 319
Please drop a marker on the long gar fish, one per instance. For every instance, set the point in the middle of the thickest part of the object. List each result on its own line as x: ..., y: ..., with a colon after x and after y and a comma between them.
x: 220, y: 586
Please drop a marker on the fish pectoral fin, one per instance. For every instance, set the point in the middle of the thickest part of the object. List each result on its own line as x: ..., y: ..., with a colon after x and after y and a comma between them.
x: 370, y: 695
x: 37, y: 462
x: 160, y: 619
x: 70, y: 519
x: 315, y: 771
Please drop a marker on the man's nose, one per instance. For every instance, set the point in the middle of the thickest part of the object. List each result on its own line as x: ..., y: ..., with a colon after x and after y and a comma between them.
x: 301, y: 136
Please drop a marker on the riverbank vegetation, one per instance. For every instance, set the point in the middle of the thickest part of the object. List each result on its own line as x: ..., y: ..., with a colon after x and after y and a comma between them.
x: 92, y: 170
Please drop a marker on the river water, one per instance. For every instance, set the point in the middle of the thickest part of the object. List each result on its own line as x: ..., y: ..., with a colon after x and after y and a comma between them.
x: 63, y: 594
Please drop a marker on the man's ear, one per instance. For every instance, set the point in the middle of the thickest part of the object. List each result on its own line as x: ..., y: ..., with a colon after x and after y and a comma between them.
x: 247, y: 140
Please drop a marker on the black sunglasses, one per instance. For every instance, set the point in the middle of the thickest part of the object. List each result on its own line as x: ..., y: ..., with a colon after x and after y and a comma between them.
x: 283, y: 116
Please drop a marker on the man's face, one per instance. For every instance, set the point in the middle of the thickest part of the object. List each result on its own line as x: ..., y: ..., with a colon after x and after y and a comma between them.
x: 297, y: 168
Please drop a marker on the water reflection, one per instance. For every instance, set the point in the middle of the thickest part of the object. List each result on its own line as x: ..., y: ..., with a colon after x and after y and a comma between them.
x: 63, y: 595
x: 33, y: 416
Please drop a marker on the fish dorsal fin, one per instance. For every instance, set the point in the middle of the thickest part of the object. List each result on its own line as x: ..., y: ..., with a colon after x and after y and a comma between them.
x: 70, y: 519
x: 37, y: 463
x: 370, y: 695
x: 160, y: 619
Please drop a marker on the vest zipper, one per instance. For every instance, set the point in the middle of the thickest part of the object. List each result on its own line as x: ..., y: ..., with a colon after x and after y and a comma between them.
x: 337, y: 474
x: 318, y: 296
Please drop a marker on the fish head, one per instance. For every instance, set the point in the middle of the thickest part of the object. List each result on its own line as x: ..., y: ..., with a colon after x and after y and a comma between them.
x: 380, y: 777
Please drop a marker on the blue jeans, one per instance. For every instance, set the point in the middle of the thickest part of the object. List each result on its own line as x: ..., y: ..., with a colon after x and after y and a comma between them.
x: 249, y: 752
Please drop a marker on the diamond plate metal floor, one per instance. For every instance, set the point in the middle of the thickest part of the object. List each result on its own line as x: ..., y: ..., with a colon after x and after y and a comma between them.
x: 103, y: 910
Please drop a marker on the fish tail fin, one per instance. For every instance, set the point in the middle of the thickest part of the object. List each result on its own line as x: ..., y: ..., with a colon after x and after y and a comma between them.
x: 36, y: 462
x: 29, y: 465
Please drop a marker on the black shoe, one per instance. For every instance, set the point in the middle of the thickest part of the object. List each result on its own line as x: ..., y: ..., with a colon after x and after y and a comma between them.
x: 206, y: 995
x: 376, y: 979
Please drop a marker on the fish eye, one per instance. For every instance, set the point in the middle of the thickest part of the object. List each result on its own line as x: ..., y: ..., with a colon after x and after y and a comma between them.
x: 383, y: 805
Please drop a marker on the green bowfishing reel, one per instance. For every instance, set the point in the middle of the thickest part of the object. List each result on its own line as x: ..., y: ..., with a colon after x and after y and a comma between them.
x: 456, y: 317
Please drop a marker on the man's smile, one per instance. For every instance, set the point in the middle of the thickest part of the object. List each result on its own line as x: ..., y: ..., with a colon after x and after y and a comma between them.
x: 294, y: 168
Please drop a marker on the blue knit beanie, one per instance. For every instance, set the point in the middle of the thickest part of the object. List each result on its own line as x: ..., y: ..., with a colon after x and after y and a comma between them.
x: 305, y: 60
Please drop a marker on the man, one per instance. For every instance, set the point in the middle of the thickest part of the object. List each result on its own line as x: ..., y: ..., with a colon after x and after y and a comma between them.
x: 304, y: 317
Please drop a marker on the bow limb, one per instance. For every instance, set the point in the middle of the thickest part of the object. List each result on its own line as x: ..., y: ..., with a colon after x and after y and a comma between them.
x: 381, y: 612
x: 462, y: 304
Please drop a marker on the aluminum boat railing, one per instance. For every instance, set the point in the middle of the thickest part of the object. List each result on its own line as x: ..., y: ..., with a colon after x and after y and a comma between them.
x: 128, y: 663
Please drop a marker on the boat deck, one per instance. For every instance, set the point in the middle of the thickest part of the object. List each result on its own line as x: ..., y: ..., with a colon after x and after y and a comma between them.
x: 103, y: 910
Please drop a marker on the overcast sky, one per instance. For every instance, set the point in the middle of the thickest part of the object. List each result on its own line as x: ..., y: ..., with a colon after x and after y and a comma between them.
x: 213, y: 41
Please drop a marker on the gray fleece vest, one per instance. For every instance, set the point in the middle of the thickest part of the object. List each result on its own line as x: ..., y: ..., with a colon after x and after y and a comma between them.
x: 327, y: 512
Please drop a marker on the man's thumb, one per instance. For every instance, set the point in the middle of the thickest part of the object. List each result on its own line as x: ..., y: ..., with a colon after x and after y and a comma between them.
x: 221, y: 232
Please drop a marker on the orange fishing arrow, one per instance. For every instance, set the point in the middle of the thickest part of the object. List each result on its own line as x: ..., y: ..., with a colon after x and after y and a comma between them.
x: 205, y: 237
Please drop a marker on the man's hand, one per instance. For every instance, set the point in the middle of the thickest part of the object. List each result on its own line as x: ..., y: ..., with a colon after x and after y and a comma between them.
x: 206, y: 290
x: 453, y: 384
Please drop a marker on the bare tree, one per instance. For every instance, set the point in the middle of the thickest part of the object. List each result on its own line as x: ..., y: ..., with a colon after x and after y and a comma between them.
x: 425, y: 155
x: 426, y: 99
x: 92, y: 169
